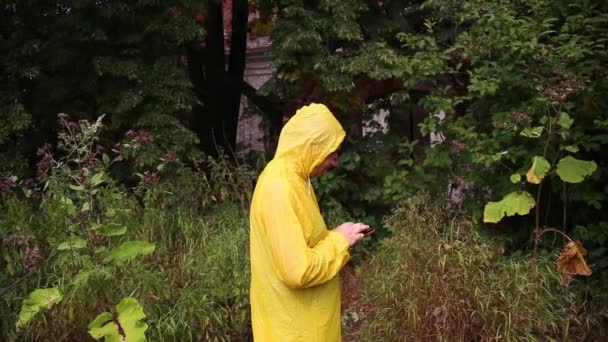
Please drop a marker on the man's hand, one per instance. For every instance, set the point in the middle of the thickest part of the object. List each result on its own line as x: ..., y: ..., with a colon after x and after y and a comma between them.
x: 353, y: 232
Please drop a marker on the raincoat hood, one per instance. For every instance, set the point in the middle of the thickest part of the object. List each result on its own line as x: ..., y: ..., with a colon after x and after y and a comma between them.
x: 311, y: 135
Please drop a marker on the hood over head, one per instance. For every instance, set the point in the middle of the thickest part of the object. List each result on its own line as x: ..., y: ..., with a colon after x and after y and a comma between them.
x: 311, y: 135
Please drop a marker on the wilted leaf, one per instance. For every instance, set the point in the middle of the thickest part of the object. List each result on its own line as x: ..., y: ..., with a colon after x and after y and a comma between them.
x: 538, y: 171
x: 519, y: 202
x: 37, y: 300
x: 571, y: 262
x: 532, y: 132
x: 574, y: 170
x: 128, y: 251
x: 127, y: 327
x: 74, y: 242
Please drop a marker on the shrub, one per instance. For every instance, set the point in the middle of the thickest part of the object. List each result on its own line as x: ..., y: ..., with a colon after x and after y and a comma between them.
x: 437, y: 278
x: 79, y: 249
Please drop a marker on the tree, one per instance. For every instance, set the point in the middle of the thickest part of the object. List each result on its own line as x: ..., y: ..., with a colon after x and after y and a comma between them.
x: 348, y: 53
x: 219, y: 85
x: 84, y: 58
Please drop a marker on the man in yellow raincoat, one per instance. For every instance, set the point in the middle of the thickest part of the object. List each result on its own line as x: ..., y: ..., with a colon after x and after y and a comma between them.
x: 295, y: 259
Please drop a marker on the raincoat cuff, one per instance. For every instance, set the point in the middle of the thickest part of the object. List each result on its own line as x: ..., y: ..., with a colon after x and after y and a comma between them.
x: 341, y: 242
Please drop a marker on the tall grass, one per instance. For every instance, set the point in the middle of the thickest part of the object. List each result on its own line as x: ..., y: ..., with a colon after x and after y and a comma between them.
x: 438, y: 279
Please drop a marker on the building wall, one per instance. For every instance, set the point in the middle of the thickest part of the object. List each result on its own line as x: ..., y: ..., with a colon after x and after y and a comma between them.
x: 258, y: 70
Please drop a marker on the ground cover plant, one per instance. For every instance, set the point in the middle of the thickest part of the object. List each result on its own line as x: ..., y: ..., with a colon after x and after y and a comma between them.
x: 84, y: 257
x: 439, y: 279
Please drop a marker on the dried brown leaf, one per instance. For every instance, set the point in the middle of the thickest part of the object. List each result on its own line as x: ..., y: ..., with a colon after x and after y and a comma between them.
x: 571, y: 262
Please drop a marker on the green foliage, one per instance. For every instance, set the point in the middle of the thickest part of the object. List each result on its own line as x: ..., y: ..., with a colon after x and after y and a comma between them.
x: 526, y: 98
x: 83, y: 232
x: 118, y: 58
x: 127, y: 326
x: 573, y: 170
x: 127, y: 251
x: 366, y: 183
x: 538, y: 170
x: 519, y: 203
x: 37, y: 300
x: 439, y: 278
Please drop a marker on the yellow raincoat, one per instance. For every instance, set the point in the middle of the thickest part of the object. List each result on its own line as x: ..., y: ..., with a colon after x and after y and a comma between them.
x: 295, y: 260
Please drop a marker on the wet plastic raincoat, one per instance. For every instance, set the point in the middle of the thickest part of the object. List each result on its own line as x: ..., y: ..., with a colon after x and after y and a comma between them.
x: 295, y: 259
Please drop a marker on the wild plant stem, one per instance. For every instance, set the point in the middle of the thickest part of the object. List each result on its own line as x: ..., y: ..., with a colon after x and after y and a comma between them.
x: 539, y: 190
x: 554, y: 230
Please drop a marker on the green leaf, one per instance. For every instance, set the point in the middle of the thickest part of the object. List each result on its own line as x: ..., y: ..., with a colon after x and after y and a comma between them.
x: 127, y: 327
x: 564, y: 120
x: 86, y: 206
x: 130, y: 314
x: 104, y: 326
x: 37, y: 300
x: 532, y: 132
x: 128, y: 251
x: 571, y: 148
x: 74, y: 242
x: 97, y: 178
x: 573, y: 170
x: 538, y: 171
x: 519, y: 202
x: 515, y: 178
x: 110, y: 229
x: 68, y: 205
x: 105, y: 158
x: 77, y: 187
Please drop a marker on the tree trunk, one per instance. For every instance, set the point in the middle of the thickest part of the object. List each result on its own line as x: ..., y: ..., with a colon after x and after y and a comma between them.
x: 236, y: 71
x: 208, y: 121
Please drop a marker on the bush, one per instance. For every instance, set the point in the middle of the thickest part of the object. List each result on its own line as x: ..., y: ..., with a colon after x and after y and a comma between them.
x: 78, y: 247
x: 437, y: 278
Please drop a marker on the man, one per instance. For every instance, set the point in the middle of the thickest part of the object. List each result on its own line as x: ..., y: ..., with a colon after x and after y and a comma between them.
x: 295, y: 260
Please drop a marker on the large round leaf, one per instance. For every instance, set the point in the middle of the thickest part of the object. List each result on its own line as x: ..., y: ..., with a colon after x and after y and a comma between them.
x: 37, y: 300
x: 129, y: 250
x: 538, y: 171
x: 126, y: 327
x: 519, y: 202
x: 574, y: 170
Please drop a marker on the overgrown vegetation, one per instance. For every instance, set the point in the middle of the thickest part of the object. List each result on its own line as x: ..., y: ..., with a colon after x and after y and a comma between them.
x: 82, y: 244
x: 439, y: 278
x: 120, y: 226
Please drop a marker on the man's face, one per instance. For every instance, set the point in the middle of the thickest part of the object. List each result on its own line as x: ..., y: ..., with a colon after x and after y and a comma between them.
x: 329, y: 163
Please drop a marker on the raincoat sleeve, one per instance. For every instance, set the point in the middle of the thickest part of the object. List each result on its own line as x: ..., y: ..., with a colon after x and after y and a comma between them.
x: 297, y: 264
